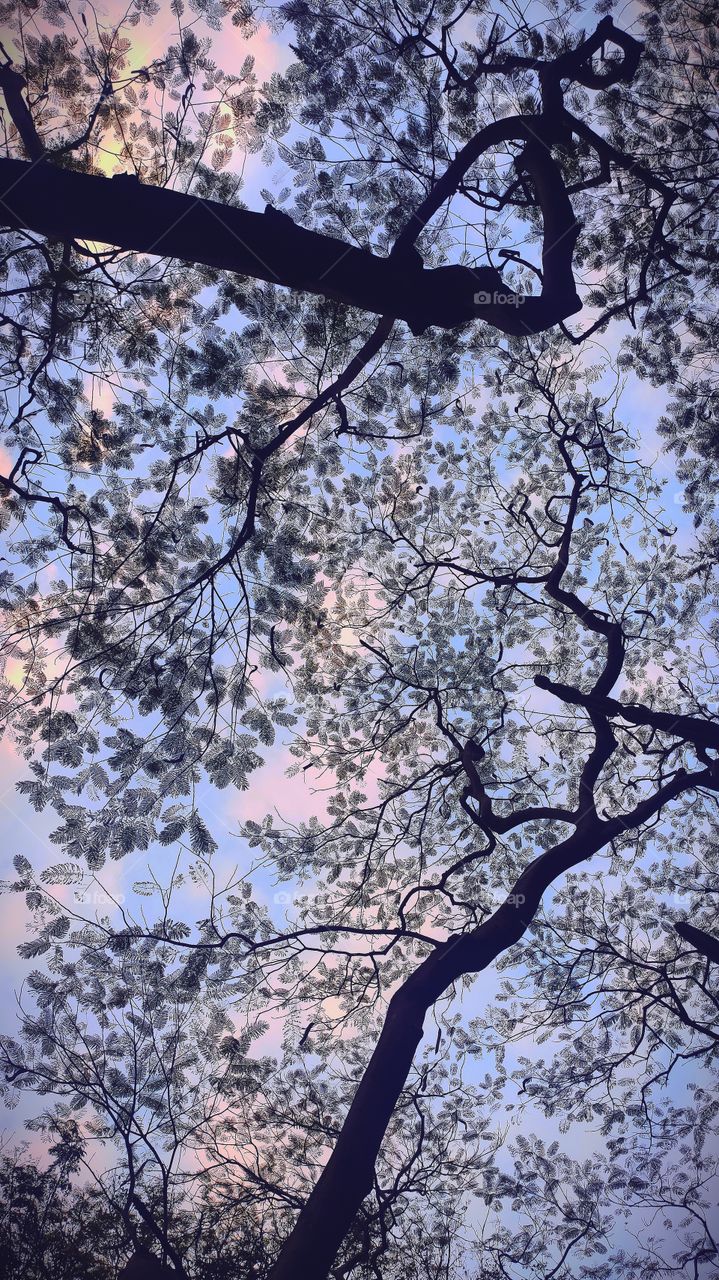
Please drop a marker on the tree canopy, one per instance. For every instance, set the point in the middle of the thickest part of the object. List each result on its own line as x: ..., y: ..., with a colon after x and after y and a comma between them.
x: 370, y: 482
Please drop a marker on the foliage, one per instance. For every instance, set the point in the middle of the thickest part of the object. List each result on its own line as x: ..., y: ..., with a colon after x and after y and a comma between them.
x: 437, y: 569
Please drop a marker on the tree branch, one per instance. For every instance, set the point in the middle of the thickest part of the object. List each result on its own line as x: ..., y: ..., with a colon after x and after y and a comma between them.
x: 269, y: 246
x: 703, y: 733
x: 12, y: 83
x: 701, y: 941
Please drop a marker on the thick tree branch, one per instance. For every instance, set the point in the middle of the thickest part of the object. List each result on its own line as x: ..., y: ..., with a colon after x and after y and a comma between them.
x: 12, y: 84
x: 703, y: 733
x: 269, y: 246
x: 701, y: 941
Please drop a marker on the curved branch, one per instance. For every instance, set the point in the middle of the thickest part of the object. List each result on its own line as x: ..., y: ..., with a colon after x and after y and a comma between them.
x: 269, y: 246
x: 702, y: 733
x: 124, y: 212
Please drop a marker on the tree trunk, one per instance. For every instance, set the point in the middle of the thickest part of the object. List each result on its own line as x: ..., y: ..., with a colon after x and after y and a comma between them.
x: 346, y: 1179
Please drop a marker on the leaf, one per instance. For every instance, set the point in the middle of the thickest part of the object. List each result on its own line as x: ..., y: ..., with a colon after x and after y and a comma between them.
x: 173, y: 831
x: 63, y: 873
x: 145, y: 888
x: 200, y: 838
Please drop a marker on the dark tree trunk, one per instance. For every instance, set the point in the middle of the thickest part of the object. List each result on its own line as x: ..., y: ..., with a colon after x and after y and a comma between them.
x: 347, y: 1177
x: 143, y: 1265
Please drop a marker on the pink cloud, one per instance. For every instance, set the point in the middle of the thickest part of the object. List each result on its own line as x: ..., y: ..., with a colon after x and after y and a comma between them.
x: 295, y: 799
x: 230, y: 47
